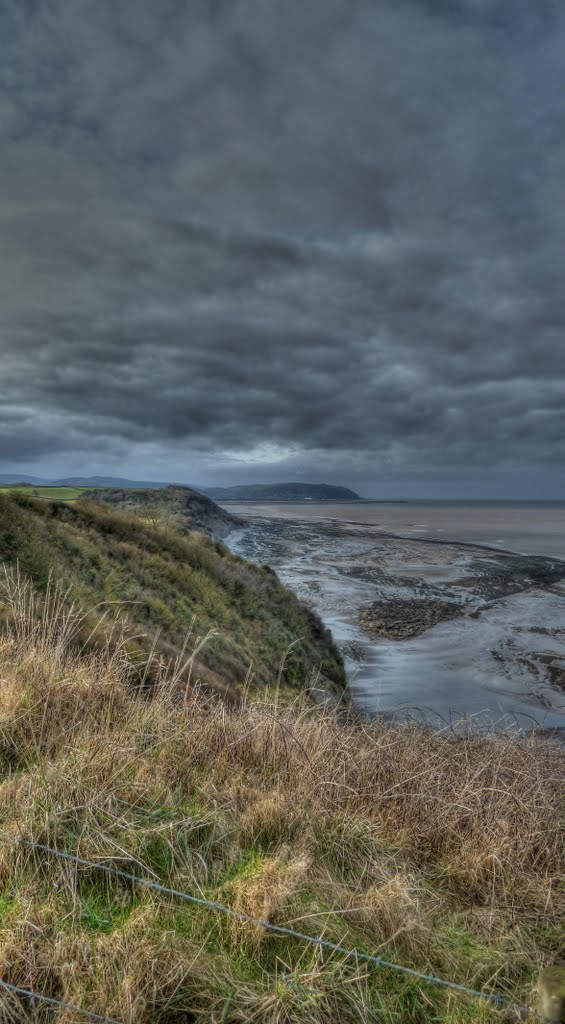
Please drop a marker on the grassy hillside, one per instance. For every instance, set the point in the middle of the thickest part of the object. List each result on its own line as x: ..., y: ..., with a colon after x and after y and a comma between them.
x: 439, y: 853
x: 162, y: 585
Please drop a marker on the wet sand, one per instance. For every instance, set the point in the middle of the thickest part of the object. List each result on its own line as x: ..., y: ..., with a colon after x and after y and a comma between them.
x: 499, y: 657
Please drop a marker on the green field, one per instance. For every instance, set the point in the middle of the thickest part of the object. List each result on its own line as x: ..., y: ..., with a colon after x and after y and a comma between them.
x: 52, y: 493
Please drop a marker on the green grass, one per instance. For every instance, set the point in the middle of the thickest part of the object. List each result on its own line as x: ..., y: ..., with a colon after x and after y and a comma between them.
x: 103, y: 907
x: 51, y: 493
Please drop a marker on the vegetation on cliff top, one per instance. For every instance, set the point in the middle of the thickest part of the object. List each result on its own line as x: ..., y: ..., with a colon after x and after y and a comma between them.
x: 170, y: 506
x: 442, y: 853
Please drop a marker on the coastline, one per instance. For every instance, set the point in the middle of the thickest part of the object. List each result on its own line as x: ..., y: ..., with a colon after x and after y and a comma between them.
x: 496, y: 660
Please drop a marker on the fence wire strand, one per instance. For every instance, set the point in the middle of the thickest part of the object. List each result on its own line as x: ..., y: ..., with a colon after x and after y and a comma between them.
x: 56, y: 1002
x: 237, y: 915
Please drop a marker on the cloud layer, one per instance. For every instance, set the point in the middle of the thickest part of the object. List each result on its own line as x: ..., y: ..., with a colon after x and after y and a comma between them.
x: 241, y: 237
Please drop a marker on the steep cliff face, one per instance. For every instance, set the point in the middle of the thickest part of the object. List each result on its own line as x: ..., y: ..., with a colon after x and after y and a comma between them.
x: 173, y: 506
x: 162, y: 584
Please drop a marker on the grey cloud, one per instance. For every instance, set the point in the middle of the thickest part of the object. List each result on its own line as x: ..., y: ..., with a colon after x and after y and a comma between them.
x: 334, y: 228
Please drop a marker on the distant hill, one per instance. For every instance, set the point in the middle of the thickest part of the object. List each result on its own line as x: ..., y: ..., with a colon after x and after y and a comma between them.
x: 282, y: 492
x: 79, y: 481
x: 21, y: 478
x: 169, y: 506
x: 239, y: 492
x: 107, y: 481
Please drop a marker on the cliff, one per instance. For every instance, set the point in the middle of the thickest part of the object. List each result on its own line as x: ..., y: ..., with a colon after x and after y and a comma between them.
x: 170, y: 506
x: 160, y: 584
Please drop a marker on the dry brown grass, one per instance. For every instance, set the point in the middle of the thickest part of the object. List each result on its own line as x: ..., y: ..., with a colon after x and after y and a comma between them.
x: 443, y: 853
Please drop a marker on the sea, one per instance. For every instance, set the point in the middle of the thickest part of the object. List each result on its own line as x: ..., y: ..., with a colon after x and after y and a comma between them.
x: 527, y: 527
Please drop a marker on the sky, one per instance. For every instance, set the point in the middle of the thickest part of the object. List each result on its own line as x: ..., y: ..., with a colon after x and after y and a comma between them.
x: 255, y: 240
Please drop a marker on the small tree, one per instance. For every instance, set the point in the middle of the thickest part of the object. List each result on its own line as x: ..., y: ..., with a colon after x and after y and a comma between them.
x: 158, y: 515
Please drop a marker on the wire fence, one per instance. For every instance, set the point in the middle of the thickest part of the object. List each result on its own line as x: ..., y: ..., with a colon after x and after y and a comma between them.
x: 319, y: 941
x: 58, y: 1003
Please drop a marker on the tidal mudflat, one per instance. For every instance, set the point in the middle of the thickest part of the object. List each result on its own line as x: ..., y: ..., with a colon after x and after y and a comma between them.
x: 430, y: 625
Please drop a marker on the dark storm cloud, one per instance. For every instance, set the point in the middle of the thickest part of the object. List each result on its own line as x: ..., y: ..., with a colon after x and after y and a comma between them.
x: 333, y: 230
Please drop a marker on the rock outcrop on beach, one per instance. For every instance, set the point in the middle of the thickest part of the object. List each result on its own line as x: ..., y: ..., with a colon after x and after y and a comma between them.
x: 400, y: 619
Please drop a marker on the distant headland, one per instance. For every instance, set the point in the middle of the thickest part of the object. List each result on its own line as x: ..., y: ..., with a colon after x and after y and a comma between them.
x: 282, y: 492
